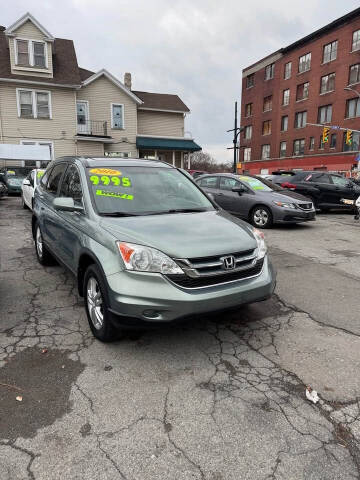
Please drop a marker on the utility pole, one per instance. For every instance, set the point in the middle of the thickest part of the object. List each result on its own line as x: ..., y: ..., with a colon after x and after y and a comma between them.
x: 237, y: 130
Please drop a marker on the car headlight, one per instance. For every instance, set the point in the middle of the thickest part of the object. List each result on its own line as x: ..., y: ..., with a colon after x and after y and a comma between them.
x: 260, y: 239
x: 139, y: 258
x: 285, y: 205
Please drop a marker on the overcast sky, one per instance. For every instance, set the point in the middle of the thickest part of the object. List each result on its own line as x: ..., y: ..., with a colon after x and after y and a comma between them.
x: 194, y: 48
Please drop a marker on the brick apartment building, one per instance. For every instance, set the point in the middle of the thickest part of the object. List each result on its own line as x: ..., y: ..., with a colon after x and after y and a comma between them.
x: 304, y: 83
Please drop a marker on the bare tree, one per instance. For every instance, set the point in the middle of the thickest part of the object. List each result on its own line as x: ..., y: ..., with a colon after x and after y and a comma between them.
x: 205, y: 162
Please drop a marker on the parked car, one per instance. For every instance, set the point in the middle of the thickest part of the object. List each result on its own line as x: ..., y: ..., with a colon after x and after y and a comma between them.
x: 197, y: 173
x: 13, y: 178
x: 28, y: 187
x: 256, y: 201
x: 145, y: 243
x: 326, y: 190
x: 3, y: 189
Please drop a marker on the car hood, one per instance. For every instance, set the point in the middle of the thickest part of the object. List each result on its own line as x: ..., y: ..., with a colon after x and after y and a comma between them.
x: 285, y: 196
x: 185, y: 235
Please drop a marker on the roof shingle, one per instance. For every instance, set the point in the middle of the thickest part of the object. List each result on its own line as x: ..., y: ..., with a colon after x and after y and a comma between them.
x: 161, y: 101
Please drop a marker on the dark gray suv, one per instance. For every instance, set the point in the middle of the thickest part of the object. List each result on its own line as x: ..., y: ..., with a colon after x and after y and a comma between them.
x: 145, y: 243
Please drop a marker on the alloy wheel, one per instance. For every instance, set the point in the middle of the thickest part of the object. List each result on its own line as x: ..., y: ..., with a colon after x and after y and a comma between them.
x: 95, y: 303
x: 261, y: 217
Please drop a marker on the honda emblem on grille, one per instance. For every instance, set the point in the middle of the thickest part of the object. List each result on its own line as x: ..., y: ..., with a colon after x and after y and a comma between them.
x: 229, y: 262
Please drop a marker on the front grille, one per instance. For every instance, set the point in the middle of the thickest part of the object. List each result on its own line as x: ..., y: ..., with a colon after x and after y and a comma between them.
x: 305, y: 206
x: 207, y: 281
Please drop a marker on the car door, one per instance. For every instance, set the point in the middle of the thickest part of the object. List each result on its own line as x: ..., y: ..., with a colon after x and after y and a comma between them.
x: 72, y: 223
x: 343, y: 188
x: 48, y: 214
x: 26, y: 190
x: 323, y: 186
x: 231, y: 201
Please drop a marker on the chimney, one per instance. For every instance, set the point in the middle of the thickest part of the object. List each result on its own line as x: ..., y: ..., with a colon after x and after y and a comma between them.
x: 2, y: 29
x: 127, y: 80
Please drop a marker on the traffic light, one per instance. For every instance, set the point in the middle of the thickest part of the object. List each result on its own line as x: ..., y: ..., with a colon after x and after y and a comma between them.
x: 349, y: 135
x: 325, y: 135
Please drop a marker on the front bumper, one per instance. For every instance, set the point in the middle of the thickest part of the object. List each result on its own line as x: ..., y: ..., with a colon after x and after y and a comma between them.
x: 14, y: 189
x: 293, y: 215
x: 152, y: 298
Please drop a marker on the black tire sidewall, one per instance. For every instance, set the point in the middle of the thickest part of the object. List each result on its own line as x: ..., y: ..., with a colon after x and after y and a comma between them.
x: 270, y: 216
x: 107, y: 333
x: 46, y: 258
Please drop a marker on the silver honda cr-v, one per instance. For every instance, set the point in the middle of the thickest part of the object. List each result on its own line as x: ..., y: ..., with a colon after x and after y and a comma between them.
x: 145, y: 243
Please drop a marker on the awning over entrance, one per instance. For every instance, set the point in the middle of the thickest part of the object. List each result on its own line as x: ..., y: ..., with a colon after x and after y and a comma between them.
x: 184, y: 145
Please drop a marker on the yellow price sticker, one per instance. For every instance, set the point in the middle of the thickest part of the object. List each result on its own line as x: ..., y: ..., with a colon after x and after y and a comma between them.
x: 105, y: 171
x: 124, y: 196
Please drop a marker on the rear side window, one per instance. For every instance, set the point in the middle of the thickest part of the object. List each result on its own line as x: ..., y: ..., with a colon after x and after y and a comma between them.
x: 209, y: 182
x: 317, y: 178
x: 55, y: 177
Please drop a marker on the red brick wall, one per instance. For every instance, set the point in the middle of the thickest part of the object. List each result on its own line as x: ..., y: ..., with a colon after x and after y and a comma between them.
x: 275, y: 87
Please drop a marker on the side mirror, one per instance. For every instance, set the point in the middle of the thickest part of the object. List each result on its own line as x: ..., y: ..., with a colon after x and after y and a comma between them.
x: 66, y: 204
x: 350, y: 185
x: 26, y: 182
x: 240, y: 189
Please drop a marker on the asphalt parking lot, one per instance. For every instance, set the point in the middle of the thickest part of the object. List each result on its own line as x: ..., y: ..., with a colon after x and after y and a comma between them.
x: 218, y: 398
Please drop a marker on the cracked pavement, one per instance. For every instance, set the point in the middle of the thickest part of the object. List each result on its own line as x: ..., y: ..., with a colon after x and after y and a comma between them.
x: 217, y: 398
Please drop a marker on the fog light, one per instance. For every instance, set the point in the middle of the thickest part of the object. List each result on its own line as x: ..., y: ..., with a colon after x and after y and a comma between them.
x: 151, y: 314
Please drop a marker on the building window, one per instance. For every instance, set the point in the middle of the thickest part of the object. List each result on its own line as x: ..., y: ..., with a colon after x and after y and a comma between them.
x: 302, y: 91
x: 327, y: 83
x: 247, y: 154
x: 321, y: 143
x: 330, y: 52
x: 22, y: 47
x: 282, y: 149
x: 299, y: 146
x: 356, y: 41
x: 250, y: 81
x: 33, y: 103
x: 333, y: 141
x: 265, y: 152
x: 324, y: 114
x: 266, y: 129
x: 117, y: 116
x: 30, y: 53
x: 286, y: 97
x: 269, y: 71
x: 248, y: 109
x: 355, y: 146
x: 353, y: 108
x: 300, y: 119
x: 267, y: 104
x: 39, y: 54
x: 284, y: 123
x: 248, y: 132
x: 287, y: 71
x: 304, y: 63
x: 354, y: 74
x: 312, y: 143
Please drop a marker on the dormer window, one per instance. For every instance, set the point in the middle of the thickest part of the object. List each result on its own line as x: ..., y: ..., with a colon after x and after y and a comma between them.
x: 31, y: 53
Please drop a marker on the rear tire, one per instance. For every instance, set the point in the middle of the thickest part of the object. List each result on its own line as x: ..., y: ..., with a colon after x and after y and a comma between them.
x: 43, y: 255
x: 261, y: 217
x: 97, y: 306
x: 23, y: 203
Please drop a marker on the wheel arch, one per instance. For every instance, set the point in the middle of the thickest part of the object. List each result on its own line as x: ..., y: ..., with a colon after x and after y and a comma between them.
x: 86, y: 258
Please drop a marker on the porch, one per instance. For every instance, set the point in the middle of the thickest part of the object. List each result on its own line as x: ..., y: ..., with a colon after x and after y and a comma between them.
x: 175, y: 151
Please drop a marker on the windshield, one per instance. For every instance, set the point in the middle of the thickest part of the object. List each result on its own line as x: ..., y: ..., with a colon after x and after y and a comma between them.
x: 144, y: 190
x: 254, y: 183
x: 271, y: 185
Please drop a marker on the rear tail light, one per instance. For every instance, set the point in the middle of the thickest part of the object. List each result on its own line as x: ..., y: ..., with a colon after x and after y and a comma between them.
x: 288, y: 185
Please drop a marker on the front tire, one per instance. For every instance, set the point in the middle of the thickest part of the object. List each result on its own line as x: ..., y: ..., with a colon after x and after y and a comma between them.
x: 43, y: 255
x: 261, y: 217
x: 97, y: 306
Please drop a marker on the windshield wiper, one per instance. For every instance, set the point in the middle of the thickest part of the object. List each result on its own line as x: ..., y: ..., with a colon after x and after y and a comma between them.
x: 118, y: 214
x: 184, y: 210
